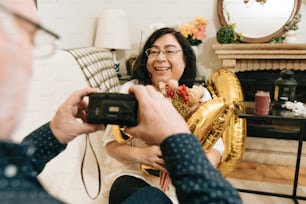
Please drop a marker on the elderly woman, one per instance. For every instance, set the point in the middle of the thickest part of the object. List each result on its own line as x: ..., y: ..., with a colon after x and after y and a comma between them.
x: 166, y: 55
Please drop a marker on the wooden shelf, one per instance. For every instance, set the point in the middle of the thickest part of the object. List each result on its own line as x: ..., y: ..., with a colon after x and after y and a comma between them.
x: 263, y: 56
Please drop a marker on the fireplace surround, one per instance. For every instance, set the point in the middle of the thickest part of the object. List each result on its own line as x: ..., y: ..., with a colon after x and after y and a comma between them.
x: 257, y: 66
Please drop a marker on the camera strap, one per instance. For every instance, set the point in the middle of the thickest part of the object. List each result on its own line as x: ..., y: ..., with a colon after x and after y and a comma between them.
x: 98, y: 168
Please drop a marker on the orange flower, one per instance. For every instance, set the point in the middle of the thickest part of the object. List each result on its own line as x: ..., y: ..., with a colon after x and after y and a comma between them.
x: 194, y: 31
x: 200, y: 21
x: 187, y: 29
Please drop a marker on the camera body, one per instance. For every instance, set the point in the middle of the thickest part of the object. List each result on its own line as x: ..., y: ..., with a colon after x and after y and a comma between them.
x: 112, y: 108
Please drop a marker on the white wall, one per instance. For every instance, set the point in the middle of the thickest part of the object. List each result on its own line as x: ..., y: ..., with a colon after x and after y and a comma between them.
x: 75, y: 21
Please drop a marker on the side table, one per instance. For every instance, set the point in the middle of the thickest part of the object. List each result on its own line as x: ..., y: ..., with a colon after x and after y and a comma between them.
x: 246, y: 110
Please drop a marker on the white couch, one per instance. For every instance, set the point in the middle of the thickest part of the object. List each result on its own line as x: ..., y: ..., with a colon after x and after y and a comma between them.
x: 53, y: 80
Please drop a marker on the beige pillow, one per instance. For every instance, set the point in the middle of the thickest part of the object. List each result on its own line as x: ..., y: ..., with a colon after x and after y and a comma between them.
x: 97, y: 66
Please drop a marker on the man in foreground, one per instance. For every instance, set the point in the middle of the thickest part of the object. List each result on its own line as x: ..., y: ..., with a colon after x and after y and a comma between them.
x: 21, y: 163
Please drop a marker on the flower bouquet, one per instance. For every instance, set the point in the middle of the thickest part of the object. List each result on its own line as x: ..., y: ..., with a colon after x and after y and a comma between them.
x: 185, y: 100
x: 194, y: 31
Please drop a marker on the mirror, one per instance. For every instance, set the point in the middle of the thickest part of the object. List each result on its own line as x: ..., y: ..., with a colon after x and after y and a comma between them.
x: 258, y: 22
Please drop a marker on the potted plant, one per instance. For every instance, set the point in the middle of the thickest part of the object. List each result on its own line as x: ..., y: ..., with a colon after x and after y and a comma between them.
x: 227, y: 34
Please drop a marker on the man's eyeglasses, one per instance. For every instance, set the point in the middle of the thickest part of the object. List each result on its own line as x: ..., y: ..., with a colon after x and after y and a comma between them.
x: 168, y: 52
x: 44, y: 39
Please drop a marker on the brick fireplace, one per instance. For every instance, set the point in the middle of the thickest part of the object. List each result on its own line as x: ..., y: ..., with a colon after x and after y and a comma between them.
x: 251, y: 81
x: 257, y: 66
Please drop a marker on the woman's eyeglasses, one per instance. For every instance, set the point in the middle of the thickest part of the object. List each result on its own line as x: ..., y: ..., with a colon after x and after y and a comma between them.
x: 168, y: 52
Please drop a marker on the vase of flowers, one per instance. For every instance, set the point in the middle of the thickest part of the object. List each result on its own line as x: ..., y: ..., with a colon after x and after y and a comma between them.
x: 195, y: 31
x: 195, y: 50
x: 290, y: 36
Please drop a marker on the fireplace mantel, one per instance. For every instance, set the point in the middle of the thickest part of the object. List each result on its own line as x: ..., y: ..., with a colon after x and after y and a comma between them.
x: 265, y: 56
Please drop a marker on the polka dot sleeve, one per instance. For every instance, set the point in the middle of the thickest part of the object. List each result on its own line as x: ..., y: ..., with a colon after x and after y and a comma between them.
x: 45, y: 146
x: 195, y: 179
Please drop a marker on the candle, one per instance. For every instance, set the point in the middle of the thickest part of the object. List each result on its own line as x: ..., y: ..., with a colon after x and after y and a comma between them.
x: 262, y: 103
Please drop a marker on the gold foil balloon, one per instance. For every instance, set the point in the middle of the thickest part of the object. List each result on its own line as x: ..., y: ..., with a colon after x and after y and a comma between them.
x: 218, y: 127
x: 208, y: 122
x: 233, y: 138
x: 120, y: 135
x: 149, y: 170
x: 224, y: 83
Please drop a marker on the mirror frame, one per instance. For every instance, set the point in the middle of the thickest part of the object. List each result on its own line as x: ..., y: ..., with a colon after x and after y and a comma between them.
x: 264, y: 39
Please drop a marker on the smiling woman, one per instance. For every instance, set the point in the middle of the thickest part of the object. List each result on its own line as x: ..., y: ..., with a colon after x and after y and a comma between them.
x: 258, y: 22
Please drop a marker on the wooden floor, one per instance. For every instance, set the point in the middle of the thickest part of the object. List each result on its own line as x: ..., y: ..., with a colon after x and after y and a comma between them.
x: 268, y: 173
x: 249, y: 175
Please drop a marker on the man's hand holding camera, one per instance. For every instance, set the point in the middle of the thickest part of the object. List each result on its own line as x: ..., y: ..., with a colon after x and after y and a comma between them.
x: 66, y: 124
x: 112, y: 108
x: 144, y: 112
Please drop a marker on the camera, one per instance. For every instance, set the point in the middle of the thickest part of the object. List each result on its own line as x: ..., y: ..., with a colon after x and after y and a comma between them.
x: 112, y: 108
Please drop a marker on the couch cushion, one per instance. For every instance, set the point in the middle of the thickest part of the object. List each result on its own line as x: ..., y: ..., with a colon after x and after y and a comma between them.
x: 97, y: 66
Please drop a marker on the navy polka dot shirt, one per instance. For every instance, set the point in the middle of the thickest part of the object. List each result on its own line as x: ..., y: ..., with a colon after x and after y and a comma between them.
x: 21, y: 163
x: 195, y: 179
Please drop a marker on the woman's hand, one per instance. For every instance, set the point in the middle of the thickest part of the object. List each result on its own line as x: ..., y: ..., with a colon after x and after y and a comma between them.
x: 127, y: 154
x: 152, y: 156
